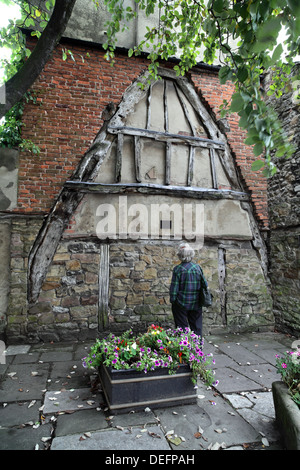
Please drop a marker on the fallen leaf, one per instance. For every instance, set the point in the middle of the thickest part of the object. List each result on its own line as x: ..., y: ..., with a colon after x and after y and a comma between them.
x: 154, y: 435
x: 219, y: 431
x: 175, y: 440
x: 31, y: 403
x: 197, y: 435
x: 90, y: 402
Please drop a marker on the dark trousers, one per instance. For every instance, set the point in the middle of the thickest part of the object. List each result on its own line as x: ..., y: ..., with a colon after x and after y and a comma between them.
x: 187, y: 318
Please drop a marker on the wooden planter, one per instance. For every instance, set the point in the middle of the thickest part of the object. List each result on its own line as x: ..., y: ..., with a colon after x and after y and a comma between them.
x: 287, y: 416
x: 127, y: 390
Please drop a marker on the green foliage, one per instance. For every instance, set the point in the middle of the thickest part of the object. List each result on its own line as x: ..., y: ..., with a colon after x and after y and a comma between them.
x: 12, y: 37
x: 11, y: 129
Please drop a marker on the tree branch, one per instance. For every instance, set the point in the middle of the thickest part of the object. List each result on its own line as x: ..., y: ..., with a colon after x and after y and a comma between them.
x: 17, y: 86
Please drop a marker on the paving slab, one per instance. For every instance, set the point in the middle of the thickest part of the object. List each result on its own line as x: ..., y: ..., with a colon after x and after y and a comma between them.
x: 25, y: 438
x: 213, y: 418
x: 230, y: 380
x: 14, y: 414
x: 135, y: 439
x: 17, y: 349
x: 81, y: 421
x: 262, y: 374
x: 239, y: 353
x: 236, y: 415
x: 70, y: 400
x: 25, y: 382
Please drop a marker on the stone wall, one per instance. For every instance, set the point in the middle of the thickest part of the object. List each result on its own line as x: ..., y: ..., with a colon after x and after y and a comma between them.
x: 139, y: 280
x: 284, y: 213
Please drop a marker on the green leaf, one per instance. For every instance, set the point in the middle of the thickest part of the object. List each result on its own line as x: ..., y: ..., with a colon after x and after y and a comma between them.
x: 242, y: 74
x: 224, y: 74
x: 267, y: 34
x: 276, y: 54
x: 218, y: 6
x: 258, y: 149
x: 237, y: 103
x: 257, y: 165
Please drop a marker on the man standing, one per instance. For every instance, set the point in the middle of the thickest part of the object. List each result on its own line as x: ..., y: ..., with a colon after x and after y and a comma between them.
x: 187, y: 280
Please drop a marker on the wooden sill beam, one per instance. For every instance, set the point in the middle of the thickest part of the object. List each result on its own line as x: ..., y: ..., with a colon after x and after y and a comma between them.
x: 166, y: 137
x: 153, y: 189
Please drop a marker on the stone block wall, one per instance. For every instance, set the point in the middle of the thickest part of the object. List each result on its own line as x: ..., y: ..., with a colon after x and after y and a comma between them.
x: 139, y: 278
x: 284, y: 214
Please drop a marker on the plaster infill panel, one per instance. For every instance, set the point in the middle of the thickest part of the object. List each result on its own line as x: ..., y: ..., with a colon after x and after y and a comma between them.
x: 114, y: 216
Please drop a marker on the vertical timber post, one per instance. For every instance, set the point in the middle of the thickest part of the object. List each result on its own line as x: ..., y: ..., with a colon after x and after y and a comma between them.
x: 222, y: 276
x: 103, y: 286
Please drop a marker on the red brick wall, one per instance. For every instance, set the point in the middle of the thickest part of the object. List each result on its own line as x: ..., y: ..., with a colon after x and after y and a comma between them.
x: 71, y: 97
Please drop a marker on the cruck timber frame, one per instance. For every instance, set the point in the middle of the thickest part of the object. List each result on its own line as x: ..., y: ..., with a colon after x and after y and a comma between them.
x: 82, y: 181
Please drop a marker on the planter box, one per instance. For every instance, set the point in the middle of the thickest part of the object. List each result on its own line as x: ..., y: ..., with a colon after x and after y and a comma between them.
x: 287, y: 416
x: 127, y: 390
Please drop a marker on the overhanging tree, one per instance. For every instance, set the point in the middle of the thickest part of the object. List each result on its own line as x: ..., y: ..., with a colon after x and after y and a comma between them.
x: 241, y: 34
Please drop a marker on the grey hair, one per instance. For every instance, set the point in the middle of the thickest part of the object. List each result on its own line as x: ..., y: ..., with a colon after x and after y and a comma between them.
x: 185, y: 252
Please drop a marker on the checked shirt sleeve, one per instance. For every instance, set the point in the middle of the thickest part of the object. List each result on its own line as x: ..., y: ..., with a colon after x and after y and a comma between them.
x: 174, y: 287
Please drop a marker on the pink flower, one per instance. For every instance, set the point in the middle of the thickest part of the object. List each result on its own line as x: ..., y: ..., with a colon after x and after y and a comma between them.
x: 283, y: 365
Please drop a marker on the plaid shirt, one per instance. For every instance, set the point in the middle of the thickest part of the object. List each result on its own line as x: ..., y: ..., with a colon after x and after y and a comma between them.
x: 186, y: 281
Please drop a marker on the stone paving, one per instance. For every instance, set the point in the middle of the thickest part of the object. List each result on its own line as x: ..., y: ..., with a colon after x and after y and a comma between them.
x: 49, y: 401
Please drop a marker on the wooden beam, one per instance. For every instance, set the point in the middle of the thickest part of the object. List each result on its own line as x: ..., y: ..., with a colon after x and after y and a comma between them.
x: 103, y: 286
x: 168, y: 163
x: 185, y: 111
x: 149, y: 188
x: 213, y: 168
x: 222, y: 285
x: 137, y: 158
x: 166, y: 137
x: 120, y: 143
x: 191, y: 166
x: 166, y: 114
x: 148, y: 121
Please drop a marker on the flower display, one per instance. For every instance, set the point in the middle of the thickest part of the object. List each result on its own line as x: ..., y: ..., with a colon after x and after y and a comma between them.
x: 288, y: 367
x: 157, y: 348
